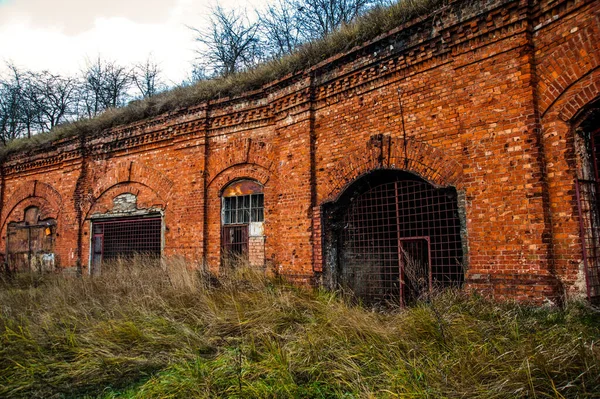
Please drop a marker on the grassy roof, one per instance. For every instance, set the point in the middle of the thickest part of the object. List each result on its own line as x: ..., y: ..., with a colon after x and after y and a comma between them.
x: 376, y: 22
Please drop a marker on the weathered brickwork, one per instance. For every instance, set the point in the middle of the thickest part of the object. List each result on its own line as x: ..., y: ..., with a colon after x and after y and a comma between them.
x: 480, y: 96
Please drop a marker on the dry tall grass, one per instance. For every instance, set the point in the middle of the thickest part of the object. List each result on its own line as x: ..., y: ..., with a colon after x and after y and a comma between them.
x: 142, y: 331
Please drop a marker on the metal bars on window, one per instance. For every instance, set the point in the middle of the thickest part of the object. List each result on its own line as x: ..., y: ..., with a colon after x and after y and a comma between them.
x: 235, y: 240
x: 399, y: 239
x: 243, y: 209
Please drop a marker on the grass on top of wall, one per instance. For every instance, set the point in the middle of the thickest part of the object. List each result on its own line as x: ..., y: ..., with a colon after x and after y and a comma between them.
x: 365, y: 28
x: 141, y: 331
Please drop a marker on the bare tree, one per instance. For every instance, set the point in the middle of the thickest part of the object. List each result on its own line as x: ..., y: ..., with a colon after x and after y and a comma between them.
x: 104, y: 84
x: 19, y: 113
x: 33, y: 102
x: 51, y: 97
x: 147, y: 78
x: 319, y: 18
x: 10, y: 106
x: 285, y: 25
x: 229, y: 44
x: 280, y: 26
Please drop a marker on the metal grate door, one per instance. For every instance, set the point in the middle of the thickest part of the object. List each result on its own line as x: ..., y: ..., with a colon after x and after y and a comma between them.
x: 398, y: 240
x: 124, y: 238
x: 588, y: 202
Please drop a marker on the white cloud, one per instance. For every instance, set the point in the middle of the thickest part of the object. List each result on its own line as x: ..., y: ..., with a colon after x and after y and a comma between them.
x: 42, y: 34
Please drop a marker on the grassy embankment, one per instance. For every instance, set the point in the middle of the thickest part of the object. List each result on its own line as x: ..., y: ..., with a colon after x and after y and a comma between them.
x: 365, y: 28
x: 140, y: 332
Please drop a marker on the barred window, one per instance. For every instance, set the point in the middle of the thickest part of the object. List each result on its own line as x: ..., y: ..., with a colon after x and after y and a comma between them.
x: 243, y: 209
x: 243, y: 203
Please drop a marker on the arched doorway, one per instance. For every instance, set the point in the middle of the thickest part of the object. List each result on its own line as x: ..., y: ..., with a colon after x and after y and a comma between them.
x: 393, y: 237
x: 587, y: 128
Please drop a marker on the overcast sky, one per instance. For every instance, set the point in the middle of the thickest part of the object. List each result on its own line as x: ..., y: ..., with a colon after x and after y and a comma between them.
x: 58, y: 35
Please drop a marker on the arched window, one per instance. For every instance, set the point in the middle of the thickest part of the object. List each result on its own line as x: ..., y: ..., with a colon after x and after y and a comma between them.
x: 242, y: 221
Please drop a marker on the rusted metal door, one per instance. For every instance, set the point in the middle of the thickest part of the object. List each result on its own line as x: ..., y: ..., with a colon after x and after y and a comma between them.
x: 398, y: 239
x: 30, y: 243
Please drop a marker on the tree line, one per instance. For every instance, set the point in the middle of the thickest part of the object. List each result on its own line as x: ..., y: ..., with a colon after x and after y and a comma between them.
x: 231, y: 41
x: 34, y: 102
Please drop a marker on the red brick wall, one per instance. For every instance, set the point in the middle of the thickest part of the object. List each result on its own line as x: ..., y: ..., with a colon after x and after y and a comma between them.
x: 480, y: 96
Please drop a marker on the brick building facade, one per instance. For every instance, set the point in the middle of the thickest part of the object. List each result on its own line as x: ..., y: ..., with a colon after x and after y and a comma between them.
x: 461, y: 142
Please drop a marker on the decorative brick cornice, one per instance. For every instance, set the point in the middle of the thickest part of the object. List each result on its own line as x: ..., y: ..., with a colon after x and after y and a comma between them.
x: 418, y: 45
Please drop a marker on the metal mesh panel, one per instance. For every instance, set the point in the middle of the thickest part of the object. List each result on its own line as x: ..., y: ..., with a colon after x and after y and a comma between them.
x: 127, y: 237
x: 400, y: 238
x: 589, y: 223
x: 588, y: 201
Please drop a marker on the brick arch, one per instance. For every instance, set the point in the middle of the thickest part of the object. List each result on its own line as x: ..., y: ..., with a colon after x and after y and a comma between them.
x: 129, y: 171
x: 420, y: 158
x: 557, y: 78
x: 237, y: 172
x: 147, y: 198
x: 239, y: 152
x: 33, y: 193
x: 578, y: 96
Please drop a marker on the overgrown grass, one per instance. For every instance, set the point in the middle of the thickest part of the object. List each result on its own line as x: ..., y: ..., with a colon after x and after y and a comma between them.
x: 365, y: 28
x: 170, y: 332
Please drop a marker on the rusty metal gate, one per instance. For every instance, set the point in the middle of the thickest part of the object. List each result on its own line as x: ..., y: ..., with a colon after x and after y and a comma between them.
x: 588, y: 201
x: 399, y: 240
x: 124, y: 238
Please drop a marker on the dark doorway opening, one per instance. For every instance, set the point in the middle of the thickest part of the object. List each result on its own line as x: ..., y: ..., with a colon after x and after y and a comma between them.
x: 392, y: 237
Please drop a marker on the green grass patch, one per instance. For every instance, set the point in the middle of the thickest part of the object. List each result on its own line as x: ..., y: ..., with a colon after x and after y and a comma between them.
x: 173, y: 332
